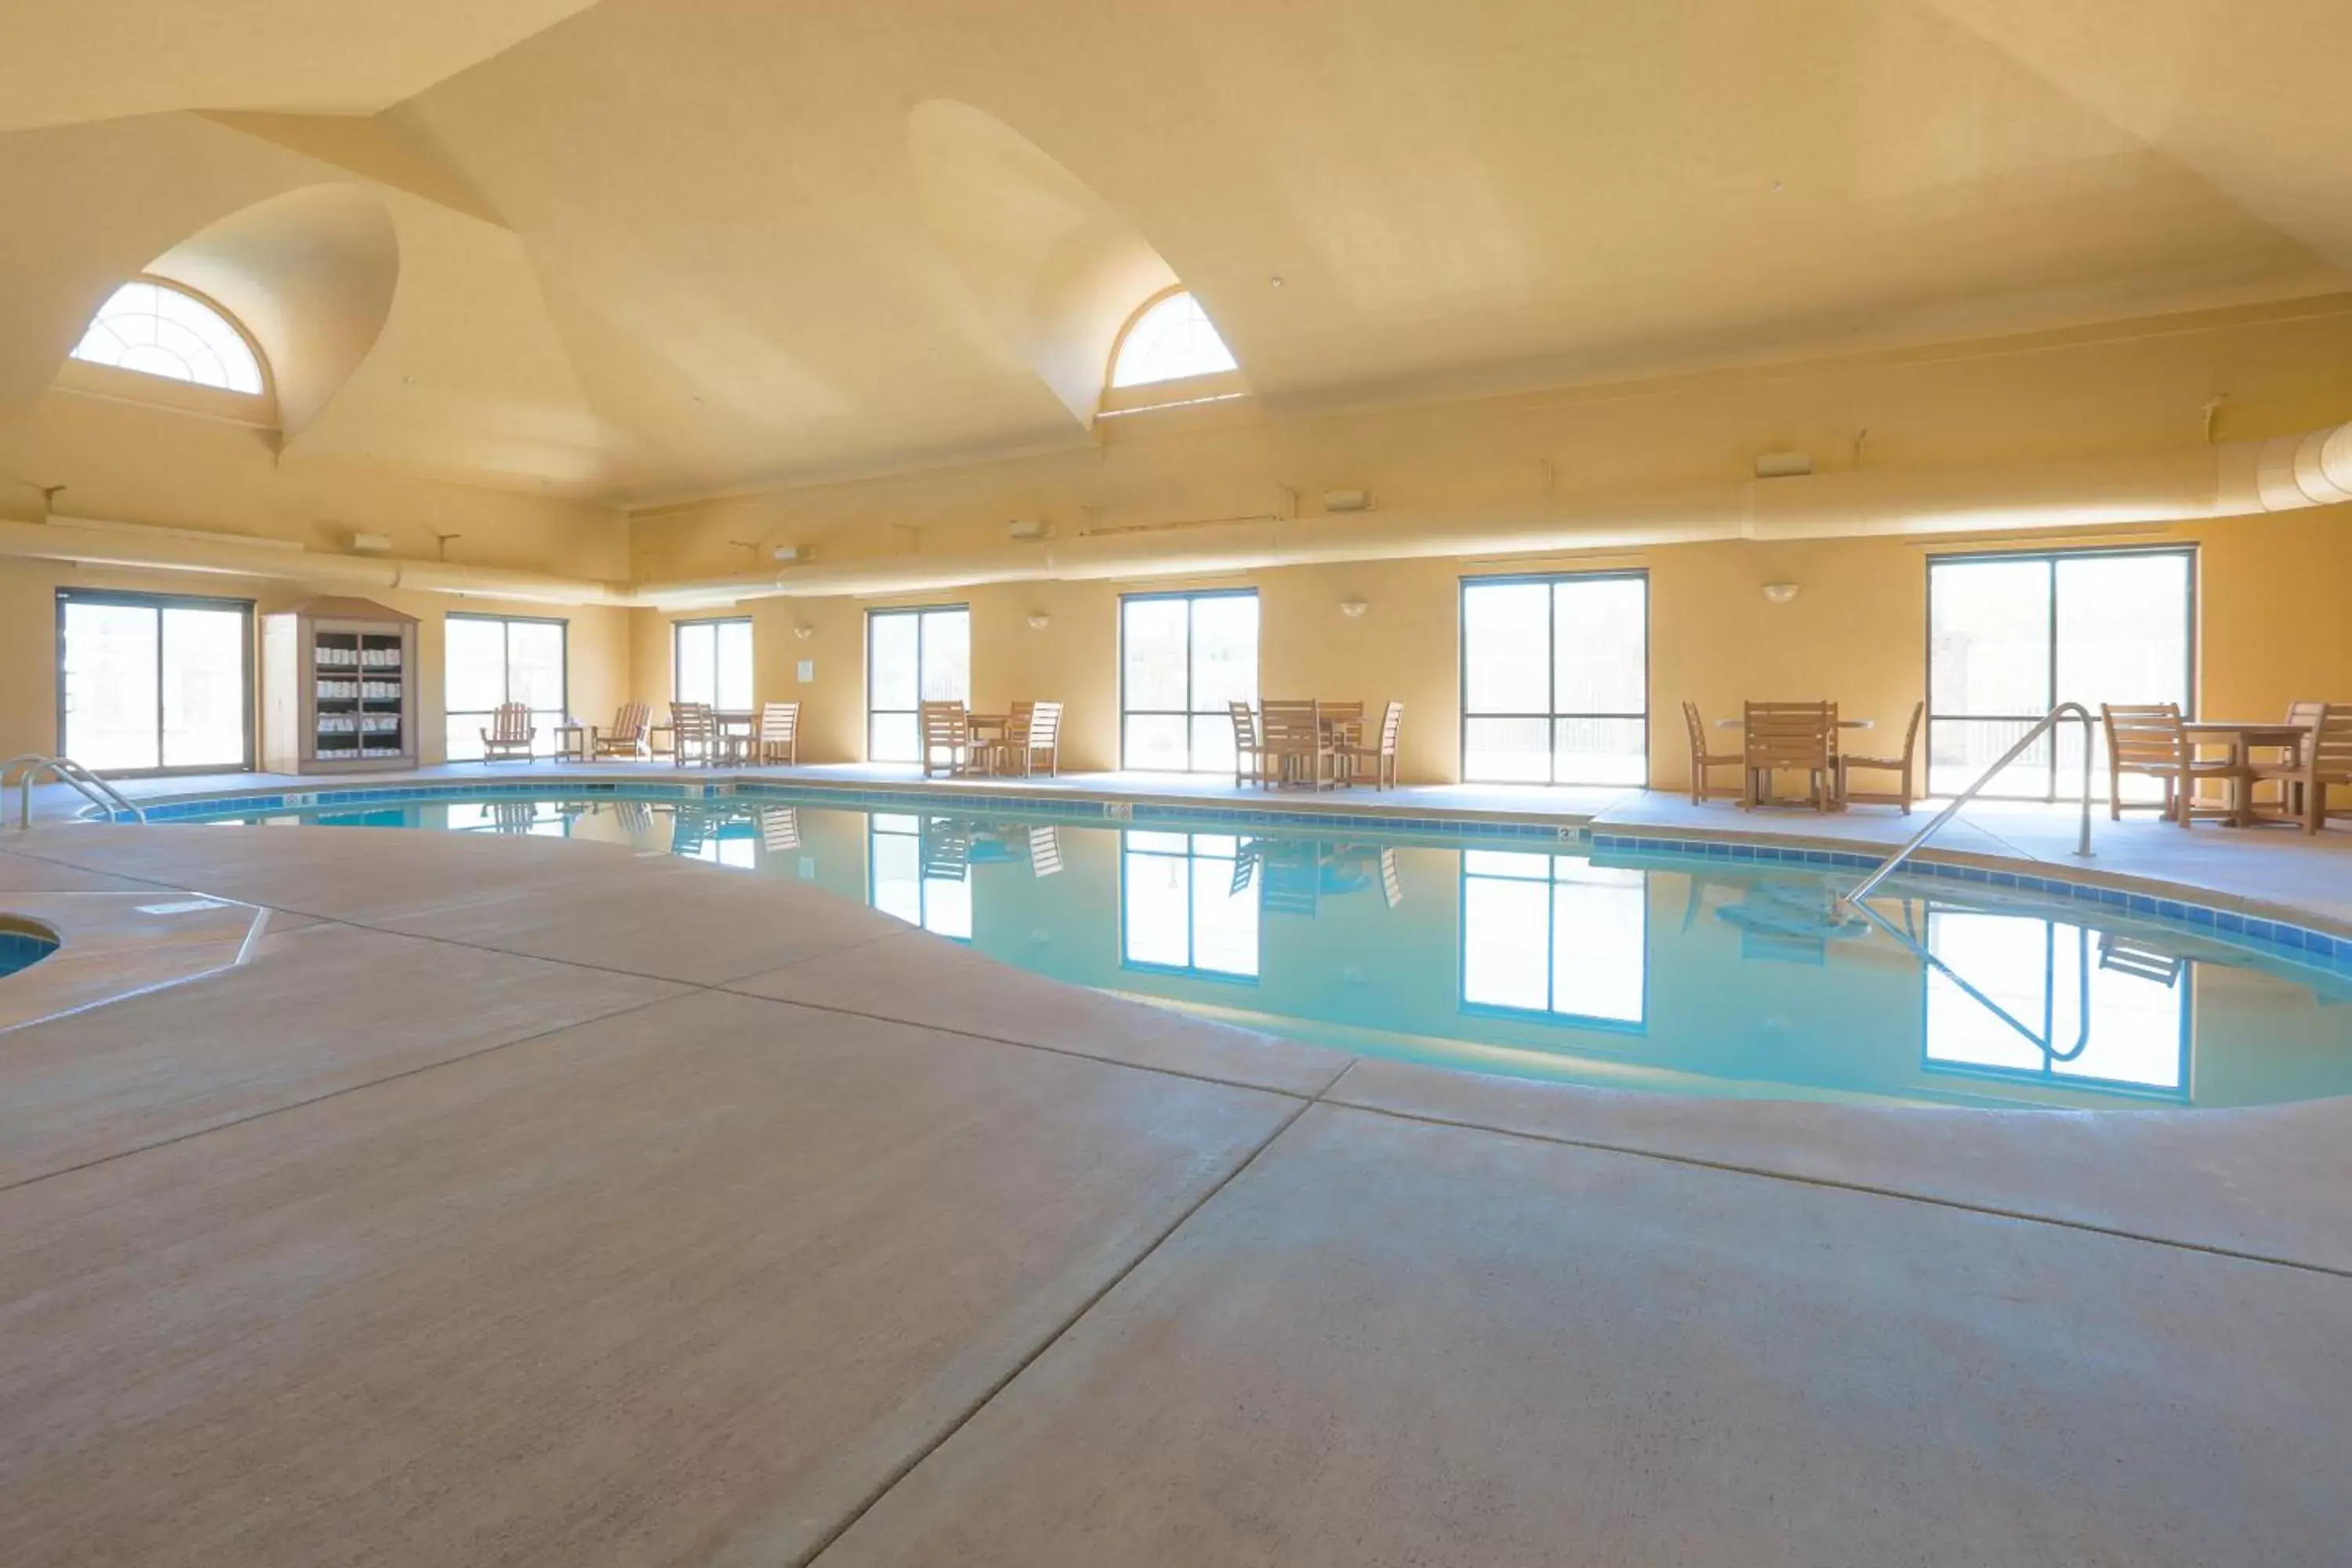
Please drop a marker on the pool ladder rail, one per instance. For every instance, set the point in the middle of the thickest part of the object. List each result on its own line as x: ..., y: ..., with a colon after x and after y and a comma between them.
x: 1855, y: 899
x: 93, y: 788
x: 2041, y: 727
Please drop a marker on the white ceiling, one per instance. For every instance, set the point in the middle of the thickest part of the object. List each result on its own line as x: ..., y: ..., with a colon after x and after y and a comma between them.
x: 655, y: 248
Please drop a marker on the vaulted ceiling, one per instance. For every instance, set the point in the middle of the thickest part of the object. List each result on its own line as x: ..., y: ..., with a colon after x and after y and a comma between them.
x: 649, y: 249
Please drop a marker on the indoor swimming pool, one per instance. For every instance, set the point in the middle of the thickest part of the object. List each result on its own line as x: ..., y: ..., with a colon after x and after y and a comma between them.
x: 1518, y: 956
x: 24, y: 943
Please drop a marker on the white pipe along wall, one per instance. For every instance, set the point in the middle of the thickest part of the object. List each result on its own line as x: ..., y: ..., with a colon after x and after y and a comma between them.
x: 2235, y: 480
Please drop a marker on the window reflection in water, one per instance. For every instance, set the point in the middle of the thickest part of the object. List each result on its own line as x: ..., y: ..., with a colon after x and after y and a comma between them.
x: 2103, y: 1011
x: 1187, y: 903
x: 919, y: 869
x: 1555, y: 934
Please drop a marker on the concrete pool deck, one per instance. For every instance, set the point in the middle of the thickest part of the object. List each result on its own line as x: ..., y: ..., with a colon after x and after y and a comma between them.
x: 527, y: 1201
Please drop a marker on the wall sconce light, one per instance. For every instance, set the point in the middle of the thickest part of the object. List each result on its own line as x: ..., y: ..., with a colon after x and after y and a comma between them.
x: 804, y: 631
x: 1780, y: 592
x: 1039, y: 621
x: 1352, y: 608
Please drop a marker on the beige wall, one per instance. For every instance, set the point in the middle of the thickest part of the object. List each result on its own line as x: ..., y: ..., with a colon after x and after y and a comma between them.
x: 598, y: 643
x: 2269, y: 633
x: 131, y: 463
x: 2140, y: 387
x: 2271, y: 591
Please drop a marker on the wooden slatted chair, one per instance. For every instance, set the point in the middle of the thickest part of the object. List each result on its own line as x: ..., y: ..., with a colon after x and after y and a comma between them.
x: 1249, y: 748
x: 2147, y: 739
x: 511, y: 733
x: 778, y: 740
x: 1795, y: 737
x: 1381, y: 754
x: 1904, y: 793
x: 1035, y: 729
x: 627, y: 738
x: 1345, y: 722
x: 2322, y: 761
x: 2303, y: 715
x: 946, y: 727
x: 1701, y: 760
x: 1297, y: 747
x: 694, y: 734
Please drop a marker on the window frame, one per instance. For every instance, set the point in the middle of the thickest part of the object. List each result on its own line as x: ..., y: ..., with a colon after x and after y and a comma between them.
x: 1191, y: 596
x: 2050, y: 559
x: 1551, y: 674
x: 1550, y: 882
x: 1208, y: 387
x: 506, y: 669
x: 918, y: 611
x: 267, y: 393
x: 1192, y: 858
x: 678, y: 662
x: 2045, y: 1077
x: 159, y: 603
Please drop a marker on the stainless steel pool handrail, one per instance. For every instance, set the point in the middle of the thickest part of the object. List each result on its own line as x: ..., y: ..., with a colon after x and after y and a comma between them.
x: 89, y: 784
x: 2042, y: 726
x: 2040, y: 1042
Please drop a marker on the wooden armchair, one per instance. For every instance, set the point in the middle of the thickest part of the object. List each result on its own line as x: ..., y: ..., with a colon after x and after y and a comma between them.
x: 2303, y: 716
x: 946, y: 727
x: 1701, y: 760
x: 627, y: 738
x: 1297, y: 747
x: 1034, y: 729
x: 1381, y: 754
x: 1345, y: 720
x: 694, y: 734
x: 2322, y: 761
x: 1905, y: 791
x: 1797, y: 737
x: 2147, y: 739
x: 778, y: 738
x: 511, y: 733
x: 1788, y: 737
x: 1249, y: 749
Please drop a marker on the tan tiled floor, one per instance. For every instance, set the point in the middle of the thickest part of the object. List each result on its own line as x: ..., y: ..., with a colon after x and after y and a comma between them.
x: 536, y: 1202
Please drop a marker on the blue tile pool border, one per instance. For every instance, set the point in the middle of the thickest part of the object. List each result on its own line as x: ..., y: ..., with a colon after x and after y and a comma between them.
x: 24, y: 943
x: 2300, y: 943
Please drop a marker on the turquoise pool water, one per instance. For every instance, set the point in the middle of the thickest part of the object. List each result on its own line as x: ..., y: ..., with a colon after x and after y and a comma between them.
x: 1518, y: 957
x: 22, y: 944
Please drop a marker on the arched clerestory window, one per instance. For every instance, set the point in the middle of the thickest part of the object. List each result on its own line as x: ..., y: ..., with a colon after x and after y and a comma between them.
x: 1169, y: 339
x: 158, y: 328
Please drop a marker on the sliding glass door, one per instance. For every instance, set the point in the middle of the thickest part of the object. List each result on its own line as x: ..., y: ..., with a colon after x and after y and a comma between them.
x: 710, y: 661
x: 1556, y: 680
x: 912, y: 656
x: 150, y: 683
x: 2010, y: 636
x: 493, y: 660
x: 1182, y: 657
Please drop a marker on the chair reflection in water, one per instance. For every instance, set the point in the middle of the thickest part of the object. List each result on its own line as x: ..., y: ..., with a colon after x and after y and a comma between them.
x: 1044, y: 851
x: 1294, y: 878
